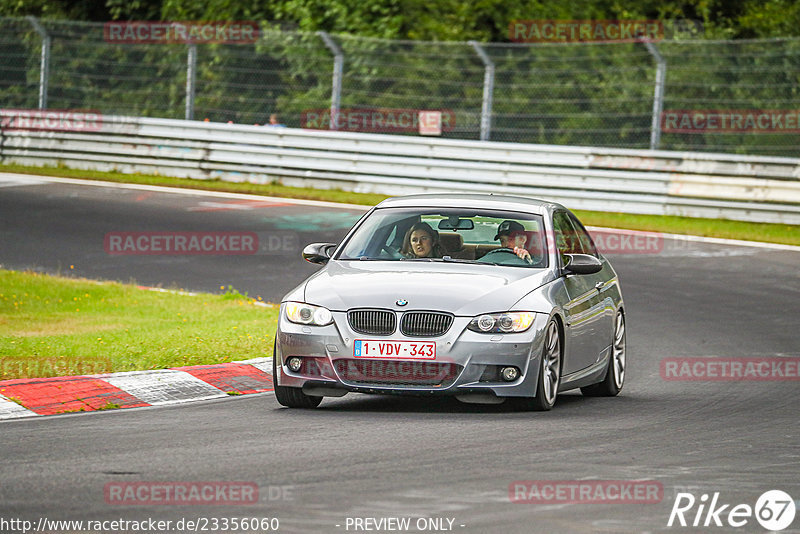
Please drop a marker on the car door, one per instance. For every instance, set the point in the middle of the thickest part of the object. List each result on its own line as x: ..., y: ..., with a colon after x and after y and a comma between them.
x: 605, y: 283
x: 584, y: 311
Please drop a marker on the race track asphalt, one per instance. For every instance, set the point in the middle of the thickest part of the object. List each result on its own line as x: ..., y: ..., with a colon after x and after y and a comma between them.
x: 380, y: 457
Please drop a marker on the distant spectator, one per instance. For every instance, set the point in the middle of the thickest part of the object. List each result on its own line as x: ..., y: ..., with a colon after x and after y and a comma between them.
x: 274, y: 122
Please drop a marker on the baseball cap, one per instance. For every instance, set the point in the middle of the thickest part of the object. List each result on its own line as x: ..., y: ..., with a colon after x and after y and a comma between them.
x: 508, y: 228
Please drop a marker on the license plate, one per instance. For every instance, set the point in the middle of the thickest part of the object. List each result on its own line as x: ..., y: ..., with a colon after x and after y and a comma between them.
x: 416, y: 350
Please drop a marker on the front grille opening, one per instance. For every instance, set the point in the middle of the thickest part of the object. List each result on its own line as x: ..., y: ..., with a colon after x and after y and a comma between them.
x: 374, y: 322
x: 425, y: 323
x: 397, y: 373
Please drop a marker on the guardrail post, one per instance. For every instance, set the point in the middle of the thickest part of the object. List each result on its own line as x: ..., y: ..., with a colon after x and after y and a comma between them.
x: 488, y: 90
x: 338, y: 70
x: 191, y: 75
x: 658, y: 95
x: 44, y: 67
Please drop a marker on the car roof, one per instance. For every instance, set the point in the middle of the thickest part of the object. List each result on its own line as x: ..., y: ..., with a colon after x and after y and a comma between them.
x: 466, y: 200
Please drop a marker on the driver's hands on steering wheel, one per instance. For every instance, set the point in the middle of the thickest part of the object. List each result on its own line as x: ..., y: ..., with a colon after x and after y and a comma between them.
x: 523, y: 254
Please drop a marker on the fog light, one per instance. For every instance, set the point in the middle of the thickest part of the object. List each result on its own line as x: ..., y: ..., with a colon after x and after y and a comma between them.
x: 294, y: 363
x: 509, y: 374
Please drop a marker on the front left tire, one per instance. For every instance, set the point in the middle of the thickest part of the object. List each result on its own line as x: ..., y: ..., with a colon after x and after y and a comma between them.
x: 617, y: 363
x: 549, y: 378
x: 290, y: 397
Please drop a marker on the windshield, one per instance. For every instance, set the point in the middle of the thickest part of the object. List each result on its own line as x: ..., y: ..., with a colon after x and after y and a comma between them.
x: 449, y: 234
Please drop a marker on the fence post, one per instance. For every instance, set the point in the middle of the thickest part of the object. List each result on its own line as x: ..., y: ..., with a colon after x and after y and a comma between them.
x: 191, y: 75
x: 44, y: 68
x: 338, y: 69
x: 658, y: 95
x: 488, y: 90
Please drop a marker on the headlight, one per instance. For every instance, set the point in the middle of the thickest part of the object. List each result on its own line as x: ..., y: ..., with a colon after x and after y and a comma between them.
x: 301, y: 313
x: 502, y: 323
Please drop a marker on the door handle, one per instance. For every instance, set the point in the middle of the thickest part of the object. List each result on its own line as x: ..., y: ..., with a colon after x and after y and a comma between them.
x: 599, y: 286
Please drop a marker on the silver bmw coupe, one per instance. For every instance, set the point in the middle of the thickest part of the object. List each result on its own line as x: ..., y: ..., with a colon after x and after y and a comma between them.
x: 486, y: 298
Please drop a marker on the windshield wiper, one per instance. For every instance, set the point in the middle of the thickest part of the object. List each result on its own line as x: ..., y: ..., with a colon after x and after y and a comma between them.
x: 446, y: 259
x: 459, y: 260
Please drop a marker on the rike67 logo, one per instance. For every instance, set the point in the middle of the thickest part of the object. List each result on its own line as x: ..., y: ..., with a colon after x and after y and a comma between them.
x: 774, y: 510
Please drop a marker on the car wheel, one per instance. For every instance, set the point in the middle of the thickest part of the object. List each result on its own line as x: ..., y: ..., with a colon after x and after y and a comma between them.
x: 615, y: 372
x: 290, y: 397
x: 549, y: 372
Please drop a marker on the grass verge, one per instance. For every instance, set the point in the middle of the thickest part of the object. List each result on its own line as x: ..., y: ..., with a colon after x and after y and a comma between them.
x: 771, y: 233
x: 55, y: 326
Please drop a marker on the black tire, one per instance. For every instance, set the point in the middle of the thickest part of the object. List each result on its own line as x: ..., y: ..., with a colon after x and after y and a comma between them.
x: 549, y: 372
x: 615, y: 371
x: 290, y: 397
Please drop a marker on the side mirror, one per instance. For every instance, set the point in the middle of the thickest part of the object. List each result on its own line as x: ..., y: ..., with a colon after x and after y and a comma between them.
x: 582, y: 264
x: 319, y: 252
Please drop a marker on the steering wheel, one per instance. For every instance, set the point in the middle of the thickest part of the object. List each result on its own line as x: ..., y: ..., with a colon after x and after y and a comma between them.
x: 506, y: 250
x: 501, y: 249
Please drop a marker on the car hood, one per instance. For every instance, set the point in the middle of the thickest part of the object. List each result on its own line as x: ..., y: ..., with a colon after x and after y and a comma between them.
x: 462, y: 289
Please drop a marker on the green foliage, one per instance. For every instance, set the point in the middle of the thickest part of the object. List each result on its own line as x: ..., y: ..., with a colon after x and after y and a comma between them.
x: 412, y: 55
x: 59, y: 9
x: 445, y: 20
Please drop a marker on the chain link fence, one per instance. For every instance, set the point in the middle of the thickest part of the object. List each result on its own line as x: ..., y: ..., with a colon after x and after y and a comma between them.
x: 591, y: 94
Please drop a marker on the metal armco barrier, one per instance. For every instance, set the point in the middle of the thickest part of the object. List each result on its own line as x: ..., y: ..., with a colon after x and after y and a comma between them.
x: 748, y: 188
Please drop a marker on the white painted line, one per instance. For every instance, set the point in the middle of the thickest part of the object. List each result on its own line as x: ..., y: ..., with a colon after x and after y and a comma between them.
x: 262, y: 364
x: 165, y: 386
x: 194, y: 294
x: 255, y: 361
x: 191, y: 192
x: 170, y: 291
x: 17, y: 180
x: 12, y: 410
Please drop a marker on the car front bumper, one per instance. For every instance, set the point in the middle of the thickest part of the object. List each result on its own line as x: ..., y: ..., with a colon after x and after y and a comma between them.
x: 467, y: 363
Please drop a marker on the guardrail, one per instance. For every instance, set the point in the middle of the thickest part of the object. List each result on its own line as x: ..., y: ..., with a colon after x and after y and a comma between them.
x: 749, y: 188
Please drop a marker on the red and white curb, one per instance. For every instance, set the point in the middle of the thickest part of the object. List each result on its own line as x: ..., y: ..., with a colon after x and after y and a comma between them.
x: 29, y: 397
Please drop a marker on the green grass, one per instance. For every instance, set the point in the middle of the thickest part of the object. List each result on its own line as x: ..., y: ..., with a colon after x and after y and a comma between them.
x: 772, y: 233
x: 56, y: 326
x: 786, y: 234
